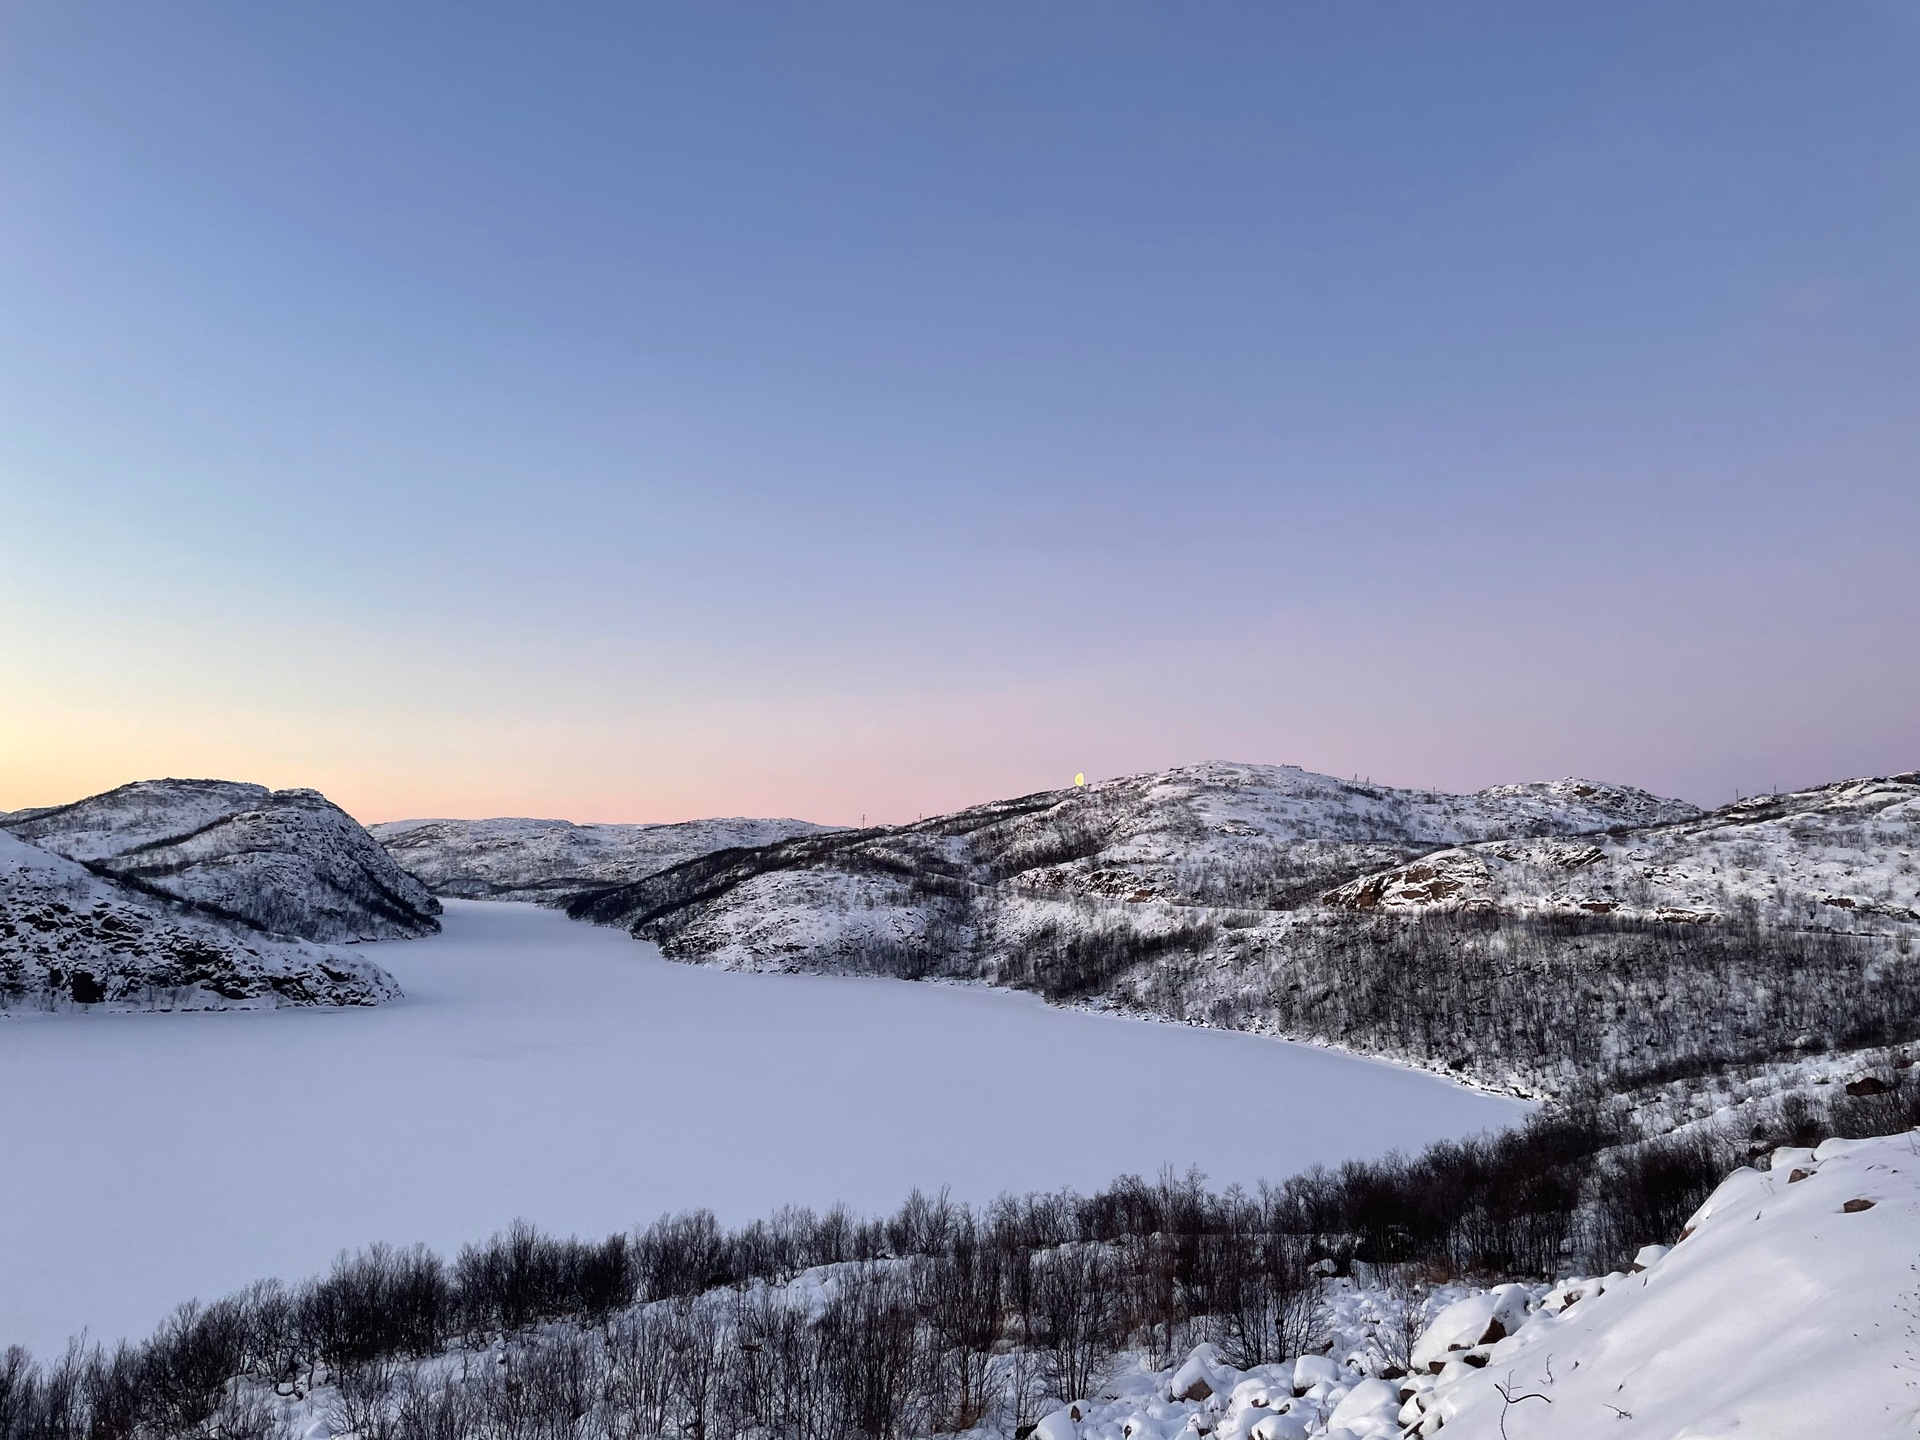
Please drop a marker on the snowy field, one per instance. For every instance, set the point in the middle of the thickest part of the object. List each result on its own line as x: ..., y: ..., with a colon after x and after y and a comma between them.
x: 565, y: 1073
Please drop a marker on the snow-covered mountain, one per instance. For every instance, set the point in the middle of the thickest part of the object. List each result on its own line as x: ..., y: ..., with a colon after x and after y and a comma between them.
x: 285, y: 861
x: 71, y: 937
x: 1539, y: 936
x: 1260, y: 836
x: 552, y: 860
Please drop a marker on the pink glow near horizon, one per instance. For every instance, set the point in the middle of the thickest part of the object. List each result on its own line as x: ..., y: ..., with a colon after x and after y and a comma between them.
x: 649, y: 413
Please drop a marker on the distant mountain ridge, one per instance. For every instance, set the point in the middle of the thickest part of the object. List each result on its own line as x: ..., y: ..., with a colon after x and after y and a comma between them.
x: 550, y: 861
x: 1218, y: 834
x: 288, y: 862
x: 1542, y: 936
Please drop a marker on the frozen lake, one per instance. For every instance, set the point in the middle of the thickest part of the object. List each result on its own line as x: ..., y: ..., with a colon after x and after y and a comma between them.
x: 565, y: 1073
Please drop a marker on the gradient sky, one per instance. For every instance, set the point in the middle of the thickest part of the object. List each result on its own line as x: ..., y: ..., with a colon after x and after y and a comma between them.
x: 641, y: 412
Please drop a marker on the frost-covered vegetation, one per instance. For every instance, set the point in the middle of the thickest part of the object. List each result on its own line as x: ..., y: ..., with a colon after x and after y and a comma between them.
x: 1379, y: 1296
x: 1535, y: 937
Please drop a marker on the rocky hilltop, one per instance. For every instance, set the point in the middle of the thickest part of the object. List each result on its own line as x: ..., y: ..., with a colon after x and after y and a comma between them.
x: 550, y: 861
x: 1840, y: 855
x: 71, y: 937
x: 1544, y: 936
x: 288, y: 862
x: 1245, y: 837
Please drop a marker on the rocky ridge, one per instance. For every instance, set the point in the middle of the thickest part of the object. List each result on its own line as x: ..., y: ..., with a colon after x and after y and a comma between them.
x: 287, y: 862
x: 69, y: 937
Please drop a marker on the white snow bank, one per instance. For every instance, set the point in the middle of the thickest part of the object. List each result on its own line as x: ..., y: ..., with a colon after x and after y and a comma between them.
x: 1791, y: 1312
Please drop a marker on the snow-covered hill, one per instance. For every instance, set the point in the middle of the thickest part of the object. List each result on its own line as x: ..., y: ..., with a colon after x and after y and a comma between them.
x: 71, y: 937
x: 285, y: 861
x: 1260, y: 836
x: 1539, y: 936
x: 552, y: 860
x: 1845, y: 855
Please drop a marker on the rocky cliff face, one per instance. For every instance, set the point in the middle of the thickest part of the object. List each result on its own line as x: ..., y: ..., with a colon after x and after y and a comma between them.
x: 70, y: 937
x: 550, y: 861
x: 285, y: 861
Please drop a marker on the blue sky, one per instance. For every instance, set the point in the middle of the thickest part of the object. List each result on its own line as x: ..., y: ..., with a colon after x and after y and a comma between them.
x: 635, y: 412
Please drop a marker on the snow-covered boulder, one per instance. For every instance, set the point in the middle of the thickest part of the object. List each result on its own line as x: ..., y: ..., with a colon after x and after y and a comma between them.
x: 1312, y: 1370
x: 286, y: 861
x: 1203, y: 1375
x: 1285, y: 1426
x: 1649, y: 1256
x: 1471, y: 1323
x: 1371, y: 1408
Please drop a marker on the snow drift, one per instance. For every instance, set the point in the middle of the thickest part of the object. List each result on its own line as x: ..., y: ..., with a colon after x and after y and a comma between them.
x: 1790, y: 1309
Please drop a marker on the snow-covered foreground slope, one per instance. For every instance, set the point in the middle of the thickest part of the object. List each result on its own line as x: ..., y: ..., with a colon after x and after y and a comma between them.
x: 1791, y: 1310
x: 287, y: 861
x: 552, y: 860
x: 560, y: 1072
x: 70, y: 938
x: 1540, y: 936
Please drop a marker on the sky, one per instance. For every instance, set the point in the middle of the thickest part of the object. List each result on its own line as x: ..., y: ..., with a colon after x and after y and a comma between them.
x: 640, y: 412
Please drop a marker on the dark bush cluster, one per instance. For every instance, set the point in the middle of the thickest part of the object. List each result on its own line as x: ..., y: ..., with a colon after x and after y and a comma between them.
x: 1556, y: 1001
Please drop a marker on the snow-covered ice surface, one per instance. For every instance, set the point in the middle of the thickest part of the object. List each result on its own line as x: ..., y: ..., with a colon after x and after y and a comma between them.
x: 565, y: 1073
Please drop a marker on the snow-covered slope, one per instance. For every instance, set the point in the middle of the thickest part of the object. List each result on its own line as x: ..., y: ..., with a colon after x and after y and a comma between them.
x: 1791, y: 1309
x: 71, y: 937
x: 1537, y: 936
x: 286, y: 861
x: 1260, y: 836
x: 1845, y: 855
x: 552, y: 860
